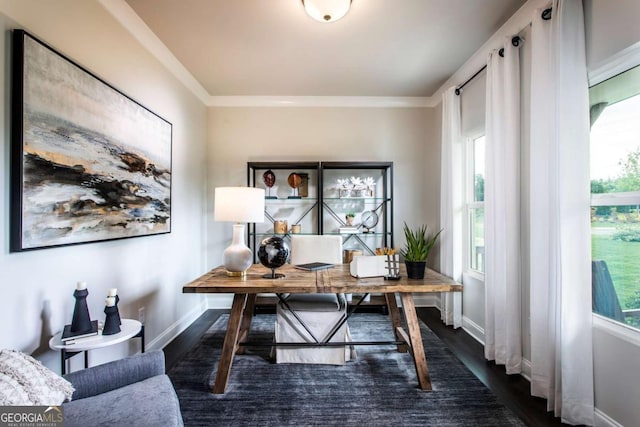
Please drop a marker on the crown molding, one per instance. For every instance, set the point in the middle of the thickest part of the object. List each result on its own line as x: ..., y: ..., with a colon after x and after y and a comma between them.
x: 129, y: 19
x: 321, y: 101
x: 615, y: 64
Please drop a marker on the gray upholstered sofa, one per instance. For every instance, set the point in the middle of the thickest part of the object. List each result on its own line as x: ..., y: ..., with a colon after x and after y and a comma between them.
x: 133, y: 391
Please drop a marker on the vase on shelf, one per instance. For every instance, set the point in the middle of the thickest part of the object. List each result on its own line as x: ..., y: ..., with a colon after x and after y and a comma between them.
x: 344, y: 192
x: 280, y: 226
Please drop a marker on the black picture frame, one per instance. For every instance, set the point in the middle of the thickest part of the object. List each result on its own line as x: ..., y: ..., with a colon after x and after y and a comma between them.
x: 88, y: 163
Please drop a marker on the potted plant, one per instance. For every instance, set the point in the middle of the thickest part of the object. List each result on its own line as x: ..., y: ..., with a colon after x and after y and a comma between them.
x: 416, y: 251
x: 349, y: 217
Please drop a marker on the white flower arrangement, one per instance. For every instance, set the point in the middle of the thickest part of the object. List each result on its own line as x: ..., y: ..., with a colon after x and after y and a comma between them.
x: 356, y: 183
x: 355, y: 186
x: 369, y: 183
x: 344, y: 184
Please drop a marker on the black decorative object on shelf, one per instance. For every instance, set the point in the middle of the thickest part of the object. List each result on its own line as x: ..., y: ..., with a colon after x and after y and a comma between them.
x: 113, y: 292
x: 112, y: 321
x: 81, y: 321
x: 273, y: 253
x: 269, y: 179
x: 118, y: 310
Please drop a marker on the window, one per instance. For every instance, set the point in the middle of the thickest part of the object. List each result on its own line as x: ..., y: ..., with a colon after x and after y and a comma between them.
x: 615, y: 197
x: 475, y: 203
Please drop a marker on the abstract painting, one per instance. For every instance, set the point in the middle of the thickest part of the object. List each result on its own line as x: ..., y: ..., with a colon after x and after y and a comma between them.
x: 88, y: 163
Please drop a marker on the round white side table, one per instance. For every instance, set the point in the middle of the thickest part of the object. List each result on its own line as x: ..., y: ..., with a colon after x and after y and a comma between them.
x: 129, y: 328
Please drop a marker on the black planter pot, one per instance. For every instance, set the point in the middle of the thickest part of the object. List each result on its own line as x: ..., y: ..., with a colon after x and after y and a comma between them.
x: 415, y: 269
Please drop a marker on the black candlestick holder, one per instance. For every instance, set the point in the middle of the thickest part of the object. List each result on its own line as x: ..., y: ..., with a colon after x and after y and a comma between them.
x: 81, y: 322
x: 112, y: 321
x: 118, y: 310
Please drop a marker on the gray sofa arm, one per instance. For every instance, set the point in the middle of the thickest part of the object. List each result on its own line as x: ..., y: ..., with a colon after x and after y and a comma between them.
x: 119, y: 373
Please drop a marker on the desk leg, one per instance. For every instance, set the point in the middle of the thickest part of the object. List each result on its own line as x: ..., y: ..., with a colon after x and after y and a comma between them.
x: 394, y: 312
x: 230, y: 344
x: 417, y: 349
x: 245, y: 325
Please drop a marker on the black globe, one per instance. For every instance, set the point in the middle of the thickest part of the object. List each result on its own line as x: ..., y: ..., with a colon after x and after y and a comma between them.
x: 273, y: 252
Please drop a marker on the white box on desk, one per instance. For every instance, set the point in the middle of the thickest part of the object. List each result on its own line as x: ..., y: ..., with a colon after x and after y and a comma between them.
x: 368, y: 266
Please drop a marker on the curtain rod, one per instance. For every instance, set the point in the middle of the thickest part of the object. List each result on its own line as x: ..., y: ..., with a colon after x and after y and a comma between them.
x: 515, y: 40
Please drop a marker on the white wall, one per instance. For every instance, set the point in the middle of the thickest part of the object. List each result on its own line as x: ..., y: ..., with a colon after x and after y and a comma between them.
x: 37, y: 286
x: 404, y: 136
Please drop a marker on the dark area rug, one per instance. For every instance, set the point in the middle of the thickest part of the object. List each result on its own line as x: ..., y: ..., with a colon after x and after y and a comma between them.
x: 378, y: 389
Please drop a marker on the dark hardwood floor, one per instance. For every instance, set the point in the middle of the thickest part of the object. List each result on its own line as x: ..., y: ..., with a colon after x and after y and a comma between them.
x: 511, y: 390
x: 183, y: 343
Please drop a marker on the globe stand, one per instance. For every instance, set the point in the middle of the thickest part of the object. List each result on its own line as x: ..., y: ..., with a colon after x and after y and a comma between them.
x: 273, y: 275
x: 273, y: 253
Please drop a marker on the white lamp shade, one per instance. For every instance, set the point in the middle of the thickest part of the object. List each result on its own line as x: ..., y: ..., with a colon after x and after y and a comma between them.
x: 326, y: 10
x: 239, y: 204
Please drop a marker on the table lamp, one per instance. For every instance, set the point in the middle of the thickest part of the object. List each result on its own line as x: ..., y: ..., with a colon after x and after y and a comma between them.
x: 239, y: 205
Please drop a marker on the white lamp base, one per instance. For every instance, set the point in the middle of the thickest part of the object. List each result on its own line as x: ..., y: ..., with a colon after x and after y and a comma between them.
x: 237, y: 258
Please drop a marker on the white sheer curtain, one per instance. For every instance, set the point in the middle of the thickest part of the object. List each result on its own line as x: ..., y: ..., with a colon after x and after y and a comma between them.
x: 560, y: 278
x: 503, y: 336
x: 451, y: 206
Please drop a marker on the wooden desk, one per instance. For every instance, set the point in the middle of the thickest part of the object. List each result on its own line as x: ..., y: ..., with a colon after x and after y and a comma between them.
x: 334, y: 280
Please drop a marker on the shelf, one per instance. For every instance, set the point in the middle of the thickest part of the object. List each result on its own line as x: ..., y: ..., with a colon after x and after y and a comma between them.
x: 360, y: 233
x: 324, y: 211
x: 284, y: 235
x: 283, y: 200
x: 366, y: 199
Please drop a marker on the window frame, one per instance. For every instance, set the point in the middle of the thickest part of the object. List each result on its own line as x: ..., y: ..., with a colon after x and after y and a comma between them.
x: 616, y: 64
x: 470, y: 204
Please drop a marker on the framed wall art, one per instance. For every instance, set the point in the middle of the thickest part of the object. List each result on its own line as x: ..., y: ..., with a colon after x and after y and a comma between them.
x: 88, y: 163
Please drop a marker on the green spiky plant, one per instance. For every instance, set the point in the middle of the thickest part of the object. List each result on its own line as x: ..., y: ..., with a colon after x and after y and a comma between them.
x: 419, y: 243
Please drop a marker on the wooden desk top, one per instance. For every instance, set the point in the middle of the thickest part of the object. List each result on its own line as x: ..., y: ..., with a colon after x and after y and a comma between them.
x: 332, y: 280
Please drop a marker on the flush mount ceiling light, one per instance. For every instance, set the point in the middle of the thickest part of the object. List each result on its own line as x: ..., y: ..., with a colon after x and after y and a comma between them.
x: 326, y: 10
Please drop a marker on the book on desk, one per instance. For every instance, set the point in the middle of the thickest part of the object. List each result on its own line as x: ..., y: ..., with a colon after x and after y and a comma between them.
x: 312, y: 266
x: 68, y: 335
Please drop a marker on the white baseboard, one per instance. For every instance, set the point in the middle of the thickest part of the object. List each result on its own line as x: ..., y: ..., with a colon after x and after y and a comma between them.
x: 473, y: 329
x: 603, y: 420
x: 427, y: 300
x: 526, y: 369
x: 176, y: 328
x: 219, y: 301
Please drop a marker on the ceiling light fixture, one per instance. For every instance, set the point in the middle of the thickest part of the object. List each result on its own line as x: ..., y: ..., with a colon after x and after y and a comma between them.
x: 326, y: 10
